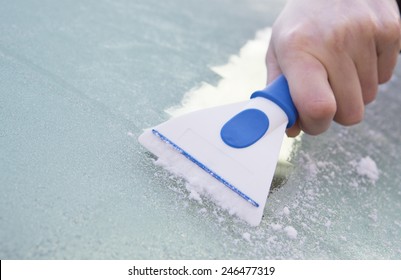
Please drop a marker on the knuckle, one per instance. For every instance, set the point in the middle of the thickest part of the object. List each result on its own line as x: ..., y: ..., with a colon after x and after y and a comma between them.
x: 346, y: 32
x: 391, y: 31
x: 388, y: 27
x: 336, y: 40
x: 297, y: 38
x: 317, y: 110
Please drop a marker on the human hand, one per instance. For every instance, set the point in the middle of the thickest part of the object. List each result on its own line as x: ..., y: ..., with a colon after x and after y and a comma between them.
x: 334, y: 53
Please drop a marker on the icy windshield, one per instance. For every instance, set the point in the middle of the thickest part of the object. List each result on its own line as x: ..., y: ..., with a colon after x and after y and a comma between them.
x: 80, y: 80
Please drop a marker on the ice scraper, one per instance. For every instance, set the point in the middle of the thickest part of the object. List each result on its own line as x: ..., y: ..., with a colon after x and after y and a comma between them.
x: 229, y: 153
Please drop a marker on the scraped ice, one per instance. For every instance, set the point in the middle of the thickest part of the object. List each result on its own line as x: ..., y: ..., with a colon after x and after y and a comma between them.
x: 373, y: 215
x: 193, y: 194
x: 276, y: 227
x: 291, y: 232
x: 203, y: 211
x: 247, y: 236
x: 286, y: 211
x: 367, y: 167
x: 198, y: 182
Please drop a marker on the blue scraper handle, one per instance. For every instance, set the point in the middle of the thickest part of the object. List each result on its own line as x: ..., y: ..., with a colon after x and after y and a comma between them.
x: 279, y: 92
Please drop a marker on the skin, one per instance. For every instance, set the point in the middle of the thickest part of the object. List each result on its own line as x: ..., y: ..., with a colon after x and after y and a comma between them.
x: 334, y: 54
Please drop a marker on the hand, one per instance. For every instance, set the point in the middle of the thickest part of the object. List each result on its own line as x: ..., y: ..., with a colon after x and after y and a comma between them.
x: 334, y: 53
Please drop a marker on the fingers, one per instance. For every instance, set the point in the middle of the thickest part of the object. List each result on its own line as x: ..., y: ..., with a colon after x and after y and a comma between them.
x: 366, y: 66
x: 320, y: 95
x: 345, y: 83
x: 387, y: 50
x: 388, y: 42
x: 294, y: 130
x: 311, y: 92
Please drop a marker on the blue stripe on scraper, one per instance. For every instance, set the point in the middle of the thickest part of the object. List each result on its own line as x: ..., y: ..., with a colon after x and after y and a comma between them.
x: 201, y: 165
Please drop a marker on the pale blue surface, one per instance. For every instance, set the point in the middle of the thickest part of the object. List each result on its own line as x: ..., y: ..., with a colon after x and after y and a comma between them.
x: 79, y: 80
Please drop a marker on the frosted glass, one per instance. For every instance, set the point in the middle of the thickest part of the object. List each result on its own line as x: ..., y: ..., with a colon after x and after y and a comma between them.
x: 79, y: 80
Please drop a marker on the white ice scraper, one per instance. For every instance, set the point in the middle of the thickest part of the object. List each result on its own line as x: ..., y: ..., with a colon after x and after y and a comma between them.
x: 228, y: 152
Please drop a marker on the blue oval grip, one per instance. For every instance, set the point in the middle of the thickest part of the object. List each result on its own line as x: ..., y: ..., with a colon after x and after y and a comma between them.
x: 248, y: 126
x: 245, y: 128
